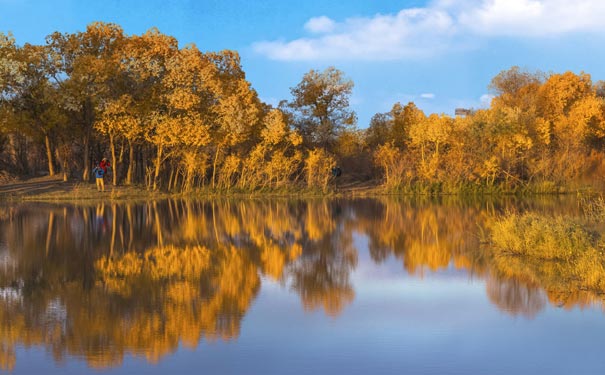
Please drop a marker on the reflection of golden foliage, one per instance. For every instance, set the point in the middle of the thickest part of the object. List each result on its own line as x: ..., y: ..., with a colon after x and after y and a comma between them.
x: 429, y: 237
x: 333, y: 300
x: 158, y: 263
x: 182, y: 292
x: 200, y: 286
x: 319, y: 222
x: 273, y: 261
x: 432, y: 256
x: 7, y: 357
x: 516, y: 297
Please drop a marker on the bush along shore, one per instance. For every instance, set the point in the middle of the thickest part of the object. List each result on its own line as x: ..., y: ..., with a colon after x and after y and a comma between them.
x: 564, y: 255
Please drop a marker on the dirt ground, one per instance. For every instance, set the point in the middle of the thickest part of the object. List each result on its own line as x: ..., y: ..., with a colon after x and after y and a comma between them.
x: 36, y: 186
x: 55, y: 188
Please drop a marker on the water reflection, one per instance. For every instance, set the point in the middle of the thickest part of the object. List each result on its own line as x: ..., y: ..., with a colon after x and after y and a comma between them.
x: 104, y: 280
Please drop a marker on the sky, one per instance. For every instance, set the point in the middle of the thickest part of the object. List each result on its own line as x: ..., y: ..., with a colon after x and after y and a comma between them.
x: 440, y: 54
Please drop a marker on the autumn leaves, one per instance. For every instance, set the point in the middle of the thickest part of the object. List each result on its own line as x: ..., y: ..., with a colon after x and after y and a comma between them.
x: 179, y: 119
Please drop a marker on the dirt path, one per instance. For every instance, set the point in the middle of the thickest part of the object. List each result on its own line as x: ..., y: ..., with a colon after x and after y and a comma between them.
x: 357, y: 187
x: 56, y: 188
x: 33, y: 186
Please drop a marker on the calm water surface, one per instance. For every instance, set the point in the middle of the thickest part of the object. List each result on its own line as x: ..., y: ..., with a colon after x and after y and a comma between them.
x: 282, y: 287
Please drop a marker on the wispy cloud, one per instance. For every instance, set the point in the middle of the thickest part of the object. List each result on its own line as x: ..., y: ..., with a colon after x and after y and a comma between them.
x: 428, y: 95
x: 486, y: 100
x: 321, y: 24
x: 440, y: 26
x: 382, y: 37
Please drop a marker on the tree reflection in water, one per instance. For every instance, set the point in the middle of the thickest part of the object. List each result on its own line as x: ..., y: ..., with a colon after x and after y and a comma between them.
x: 104, y: 280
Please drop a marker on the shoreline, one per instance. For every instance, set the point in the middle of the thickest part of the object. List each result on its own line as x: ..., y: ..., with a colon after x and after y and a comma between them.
x: 54, y: 189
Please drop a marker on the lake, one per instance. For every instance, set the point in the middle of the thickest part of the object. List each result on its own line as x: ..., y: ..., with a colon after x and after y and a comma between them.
x: 359, y: 286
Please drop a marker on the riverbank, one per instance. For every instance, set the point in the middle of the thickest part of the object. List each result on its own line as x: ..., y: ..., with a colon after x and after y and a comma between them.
x: 55, y: 189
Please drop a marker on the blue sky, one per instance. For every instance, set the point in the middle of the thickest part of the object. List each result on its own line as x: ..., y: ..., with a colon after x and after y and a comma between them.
x: 440, y: 54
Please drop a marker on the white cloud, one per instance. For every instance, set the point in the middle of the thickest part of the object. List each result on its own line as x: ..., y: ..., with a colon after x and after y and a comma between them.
x: 321, y: 24
x: 382, y: 37
x: 440, y: 26
x: 486, y: 100
x: 428, y: 95
x: 534, y: 17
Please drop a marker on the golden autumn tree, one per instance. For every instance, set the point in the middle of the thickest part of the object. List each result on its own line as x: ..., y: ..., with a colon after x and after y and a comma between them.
x: 394, y: 164
x: 568, y: 109
x: 276, y: 157
x: 430, y: 137
x: 84, y: 65
x: 181, y: 125
x: 238, y: 113
x: 142, y: 66
x: 114, y: 120
x: 318, y: 168
x: 404, y: 118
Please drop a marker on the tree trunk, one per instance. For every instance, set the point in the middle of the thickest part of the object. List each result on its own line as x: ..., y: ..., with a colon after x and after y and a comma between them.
x: 62, y: 159
x: 130, y: 164
x: 88, y: 123
x: 158, y: 163
x: 114, y: 161
x: 170, y: 179
x: 49, y: 155
x: 214, y: 166
x: 86, y: 173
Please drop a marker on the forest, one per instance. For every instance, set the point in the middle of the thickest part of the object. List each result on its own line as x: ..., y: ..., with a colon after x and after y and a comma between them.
x: 177, y: 119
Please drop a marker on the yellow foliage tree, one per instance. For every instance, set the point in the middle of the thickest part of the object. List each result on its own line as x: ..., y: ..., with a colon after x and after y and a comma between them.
x: 318, y: 166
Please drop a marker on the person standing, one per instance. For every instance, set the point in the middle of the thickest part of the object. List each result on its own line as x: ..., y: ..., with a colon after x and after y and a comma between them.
x: 104, y: 165
x: 99, y: 174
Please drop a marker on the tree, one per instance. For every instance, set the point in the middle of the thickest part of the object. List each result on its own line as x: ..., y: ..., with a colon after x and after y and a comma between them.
x: 404, y: 118
x: 379, y: 130
x: 515, y: 87
x: 189, y: 91
x: 318, y: 166
x: 321, y: 107
x: 143, y: 64
x: 568, y: 111
x: 238, y: 110
x: 33, y: 100
x: 85, y: 67
x: 430, y: 135
x: 392, y: 161
x: 276, y: 157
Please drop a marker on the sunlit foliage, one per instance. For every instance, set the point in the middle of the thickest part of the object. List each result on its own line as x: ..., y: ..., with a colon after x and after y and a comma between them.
x: 179, y: 119
x: 540, y: 130
x: 318, y: 166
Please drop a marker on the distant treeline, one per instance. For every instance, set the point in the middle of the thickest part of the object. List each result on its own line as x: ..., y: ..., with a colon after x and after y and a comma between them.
x: 179, y: 119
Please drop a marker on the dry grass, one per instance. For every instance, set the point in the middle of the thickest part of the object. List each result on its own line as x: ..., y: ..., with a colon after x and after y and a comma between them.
x: 53, y: 189
x: 559, y: 253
